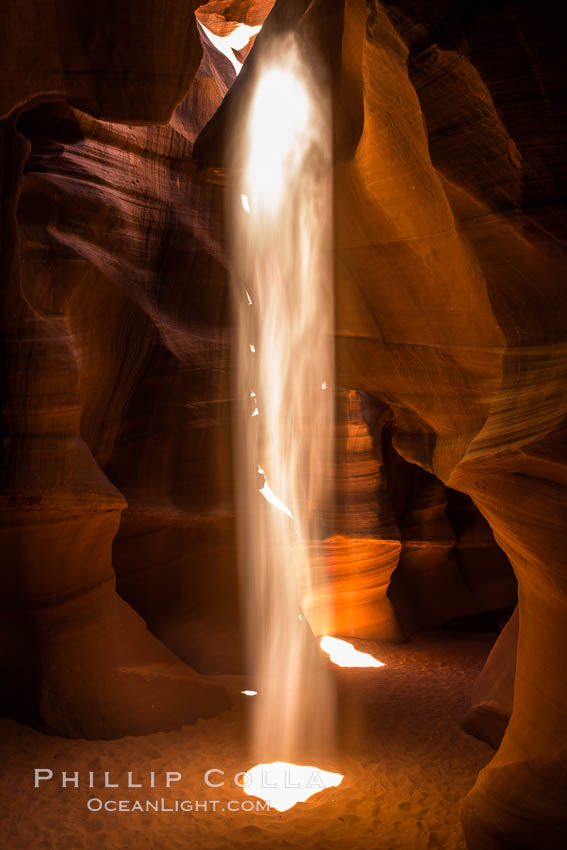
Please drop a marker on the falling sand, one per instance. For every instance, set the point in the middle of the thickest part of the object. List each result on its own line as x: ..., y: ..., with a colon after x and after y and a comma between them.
x: 282, y: 283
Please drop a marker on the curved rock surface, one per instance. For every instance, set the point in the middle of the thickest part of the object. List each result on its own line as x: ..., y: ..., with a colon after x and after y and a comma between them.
x: 450, y: 257
x: 492, y: 699
x: 102, y: 59
x: 406, y: 552
x: 105, y: 355
x: 354, y: 564
x: 451, y: 310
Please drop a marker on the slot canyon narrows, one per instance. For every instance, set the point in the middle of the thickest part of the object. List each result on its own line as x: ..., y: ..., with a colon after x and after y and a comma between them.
x: 284, y: 405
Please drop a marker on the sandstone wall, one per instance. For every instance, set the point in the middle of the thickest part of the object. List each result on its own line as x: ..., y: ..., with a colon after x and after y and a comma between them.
x: 114, y: 327
x: 450, y: 251
x: 451, y: 310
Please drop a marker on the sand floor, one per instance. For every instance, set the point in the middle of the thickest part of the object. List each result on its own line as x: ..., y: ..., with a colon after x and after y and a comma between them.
x: 407, y: 766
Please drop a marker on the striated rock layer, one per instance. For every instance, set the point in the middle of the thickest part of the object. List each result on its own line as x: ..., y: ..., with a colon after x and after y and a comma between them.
x: 451, y: 310
x: 114, y: 327
x: 450, y: 257
x: 405, y: 552
x: 492, y: 698
x: 353, y: 565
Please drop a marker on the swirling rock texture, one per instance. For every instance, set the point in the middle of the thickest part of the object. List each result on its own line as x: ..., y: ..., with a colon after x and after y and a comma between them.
x: 450, y: 291
x: 406, y: 552
x: 451, y: 309
x: 492, y: 699
x: 448, y: 565
x: 450, y: 322
x: 353, y: 565
x: 110, y: 364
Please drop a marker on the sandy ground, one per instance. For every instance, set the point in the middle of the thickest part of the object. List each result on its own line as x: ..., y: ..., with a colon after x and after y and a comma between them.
x: 407, y: 765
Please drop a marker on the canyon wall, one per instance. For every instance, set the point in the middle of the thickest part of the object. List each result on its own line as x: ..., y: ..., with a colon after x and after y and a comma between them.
x: 450, y: 250
x: 115, y: 375
x: 451, y: 309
